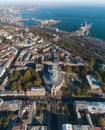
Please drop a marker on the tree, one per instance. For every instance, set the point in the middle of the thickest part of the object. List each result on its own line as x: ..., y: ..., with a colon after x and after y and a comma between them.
x: 27, y: 85
x: 66, y: 91
x: 68, y: 69
x: 101, y: 121
x: 84, y: 71
x: 23, y: 80
x: 27, y: 74
x: 97, y: 74
x: 78, y: 91
x: 76, y: 69
x: 37, y: 82
x: 15, y: 74
x: 103, y: 86
x: 4, y: 120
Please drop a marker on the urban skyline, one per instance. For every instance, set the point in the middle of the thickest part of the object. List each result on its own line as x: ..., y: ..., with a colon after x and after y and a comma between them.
x: 61, y: 2
x: 52, y: 65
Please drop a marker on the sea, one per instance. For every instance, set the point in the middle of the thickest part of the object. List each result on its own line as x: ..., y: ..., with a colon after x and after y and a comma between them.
x: 71, y: 18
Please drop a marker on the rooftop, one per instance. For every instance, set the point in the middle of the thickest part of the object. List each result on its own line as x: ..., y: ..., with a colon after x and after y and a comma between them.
x: 92, y: 107
x: 37, y: 127
x: 52, y: 75
x: 2, y: 70
x: 67, y: 127
x: 82, y: 127
x: 10, y: 105
x: 93, y: 80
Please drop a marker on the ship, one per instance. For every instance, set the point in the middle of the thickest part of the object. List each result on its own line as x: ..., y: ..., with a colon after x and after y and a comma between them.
x: 50, y: 22
x: 84, y: 29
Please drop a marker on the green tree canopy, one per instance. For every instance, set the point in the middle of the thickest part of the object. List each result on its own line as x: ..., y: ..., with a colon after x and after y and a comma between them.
x: 23, y: 80
x: 101, y: 121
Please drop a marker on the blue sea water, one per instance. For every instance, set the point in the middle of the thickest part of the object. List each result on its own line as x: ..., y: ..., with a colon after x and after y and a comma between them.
x: 71, y: 18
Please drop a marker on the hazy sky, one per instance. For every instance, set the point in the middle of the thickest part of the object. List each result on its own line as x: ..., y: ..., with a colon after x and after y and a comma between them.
x: 70, y: 2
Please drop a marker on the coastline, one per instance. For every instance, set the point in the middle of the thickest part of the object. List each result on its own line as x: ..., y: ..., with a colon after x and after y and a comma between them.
x: 70, y: 22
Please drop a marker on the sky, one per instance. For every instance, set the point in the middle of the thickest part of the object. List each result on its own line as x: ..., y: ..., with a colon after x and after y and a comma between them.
x: 60, y: 2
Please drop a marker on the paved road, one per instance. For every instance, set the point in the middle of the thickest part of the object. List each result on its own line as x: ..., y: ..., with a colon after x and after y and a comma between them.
x: 64, y: 99
x: 10, y: 125
x: 54, y: 119
x: 48, y: 116
x: 102, y: 94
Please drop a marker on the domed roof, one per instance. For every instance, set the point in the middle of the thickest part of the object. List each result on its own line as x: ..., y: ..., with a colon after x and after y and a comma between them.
x: 52, y: 77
